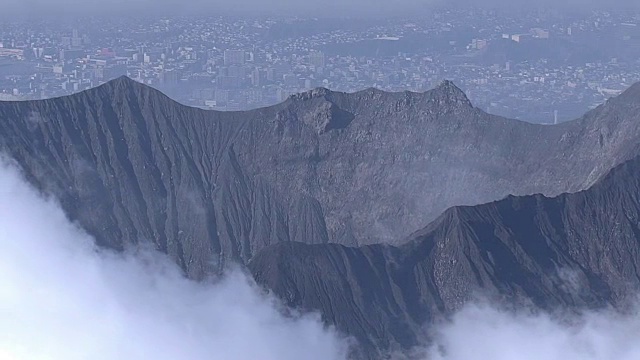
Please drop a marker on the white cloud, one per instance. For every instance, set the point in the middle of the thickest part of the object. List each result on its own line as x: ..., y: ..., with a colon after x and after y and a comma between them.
x: 62, y: 298
x: 481, y: 331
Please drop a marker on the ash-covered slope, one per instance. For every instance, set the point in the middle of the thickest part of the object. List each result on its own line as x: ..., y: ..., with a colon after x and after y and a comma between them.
x: 132, y: 165
x: 575, y: 250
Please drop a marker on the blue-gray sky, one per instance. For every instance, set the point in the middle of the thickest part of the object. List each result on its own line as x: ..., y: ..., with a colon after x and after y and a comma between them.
x: 324, y: 7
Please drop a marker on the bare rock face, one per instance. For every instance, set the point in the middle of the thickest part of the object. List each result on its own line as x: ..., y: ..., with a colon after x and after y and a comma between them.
x: 301, y: 191
x: 323, y: 167
x: 314, y: 109
x: 327, y: 116
x: 573, y: 251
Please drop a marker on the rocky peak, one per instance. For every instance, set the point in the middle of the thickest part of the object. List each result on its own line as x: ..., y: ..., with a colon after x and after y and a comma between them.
x: 125, y: 89
x: 125, y: 86
x: 447, y: 93
x: 122, y: 82
x: 311, y: 94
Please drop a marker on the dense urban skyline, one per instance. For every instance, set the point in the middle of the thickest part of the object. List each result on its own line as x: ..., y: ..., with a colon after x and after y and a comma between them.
x: 537, y: 66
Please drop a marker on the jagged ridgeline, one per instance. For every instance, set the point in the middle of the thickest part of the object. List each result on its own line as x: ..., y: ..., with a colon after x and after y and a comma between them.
x: 574, y: 251
x: 326, y: 169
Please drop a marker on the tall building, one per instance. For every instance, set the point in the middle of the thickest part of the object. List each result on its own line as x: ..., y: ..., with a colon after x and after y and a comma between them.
x: 169, y: 77
x: 479, y: 44
x: 316, y: 59
x: 76, y: 40
x: 540, y: 33
x: 255, y: 77
x: 271, y: 74
x: 236, y: 71
x: 221, y: 97
x: 234, y: 57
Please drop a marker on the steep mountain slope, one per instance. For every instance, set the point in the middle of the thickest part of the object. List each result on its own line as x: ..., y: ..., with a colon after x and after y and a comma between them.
x: 576, y: 250
x: 131, y: 165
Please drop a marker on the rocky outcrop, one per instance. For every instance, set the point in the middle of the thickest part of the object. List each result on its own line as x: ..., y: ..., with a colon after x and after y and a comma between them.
x: 299, y: 192
x: 131, y: 165
x: 572, y: 251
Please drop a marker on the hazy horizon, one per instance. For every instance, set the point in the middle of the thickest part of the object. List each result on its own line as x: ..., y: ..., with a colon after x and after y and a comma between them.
x: 330, y: 8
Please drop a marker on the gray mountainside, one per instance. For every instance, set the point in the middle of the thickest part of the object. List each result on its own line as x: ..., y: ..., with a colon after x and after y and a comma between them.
x: 576, y: 250
x: 292, y: 189
x: 131, y: 165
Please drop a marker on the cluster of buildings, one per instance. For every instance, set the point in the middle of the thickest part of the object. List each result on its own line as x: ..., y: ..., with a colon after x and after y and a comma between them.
x: 527, y: 66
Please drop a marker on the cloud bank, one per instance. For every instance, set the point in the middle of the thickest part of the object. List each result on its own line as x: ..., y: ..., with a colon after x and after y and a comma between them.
x: 63, y: 298
x: 480, y: 331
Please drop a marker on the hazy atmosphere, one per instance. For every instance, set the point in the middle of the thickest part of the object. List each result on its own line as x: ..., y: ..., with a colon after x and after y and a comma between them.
x: 330, y: 8
x: 328, y: 180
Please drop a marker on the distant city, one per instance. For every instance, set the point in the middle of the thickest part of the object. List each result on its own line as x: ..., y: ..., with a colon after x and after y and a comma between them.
x: 540, y: 66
